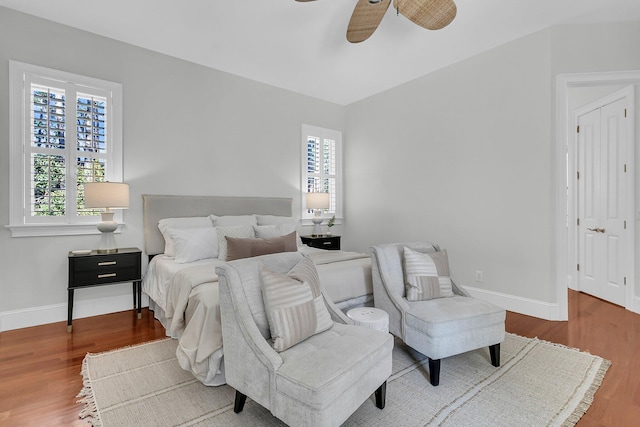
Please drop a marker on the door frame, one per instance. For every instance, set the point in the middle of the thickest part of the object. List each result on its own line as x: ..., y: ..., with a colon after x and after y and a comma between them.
x: 565, y: 194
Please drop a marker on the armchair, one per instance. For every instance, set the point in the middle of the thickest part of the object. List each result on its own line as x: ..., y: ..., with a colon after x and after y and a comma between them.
x: 438, y: 327
x: 320, y: 381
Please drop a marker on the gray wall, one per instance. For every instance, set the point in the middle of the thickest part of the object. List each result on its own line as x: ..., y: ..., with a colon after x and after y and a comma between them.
x: 463, y: 156
x: 466, y: 157
x: 187, y: 130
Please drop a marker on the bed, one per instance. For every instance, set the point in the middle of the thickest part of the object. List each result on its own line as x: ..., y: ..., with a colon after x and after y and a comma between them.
x: 181, y: 282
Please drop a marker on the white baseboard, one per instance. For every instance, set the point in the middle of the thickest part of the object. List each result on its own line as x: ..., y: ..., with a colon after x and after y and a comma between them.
x: 635, y: 305
x: 530, y: 307
x: 35, y: 316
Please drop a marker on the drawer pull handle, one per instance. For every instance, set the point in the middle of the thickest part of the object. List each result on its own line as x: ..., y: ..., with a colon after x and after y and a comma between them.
x: 326, y: 243
x: 107, y: 263
x: 102, y: 276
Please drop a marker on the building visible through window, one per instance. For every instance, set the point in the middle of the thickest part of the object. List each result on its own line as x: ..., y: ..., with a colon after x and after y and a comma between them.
x: 322, y: 167
x: 68, y: 133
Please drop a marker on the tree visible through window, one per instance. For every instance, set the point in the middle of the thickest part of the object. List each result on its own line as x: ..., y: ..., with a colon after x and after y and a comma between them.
x: 70, y: 134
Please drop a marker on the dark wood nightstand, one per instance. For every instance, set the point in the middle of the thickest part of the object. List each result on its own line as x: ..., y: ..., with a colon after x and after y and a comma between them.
x: 98, y: 269
x: 323, y: 242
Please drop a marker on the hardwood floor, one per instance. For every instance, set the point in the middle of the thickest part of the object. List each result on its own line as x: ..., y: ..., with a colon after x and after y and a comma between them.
x: 40, y: 366
x: 606, y: 330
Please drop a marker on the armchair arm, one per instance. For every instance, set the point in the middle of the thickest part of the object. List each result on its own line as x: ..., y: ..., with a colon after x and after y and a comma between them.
x: 337, y: 315
x: 384, y: 298
x: 245, y: 348
x: 459, y: 289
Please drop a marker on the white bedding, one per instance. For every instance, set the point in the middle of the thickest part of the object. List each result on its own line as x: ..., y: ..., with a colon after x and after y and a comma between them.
x: 185, y: 299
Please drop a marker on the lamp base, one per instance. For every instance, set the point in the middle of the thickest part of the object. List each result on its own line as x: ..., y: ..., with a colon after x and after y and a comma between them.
x: 317, y: 229
x: 107, y: 243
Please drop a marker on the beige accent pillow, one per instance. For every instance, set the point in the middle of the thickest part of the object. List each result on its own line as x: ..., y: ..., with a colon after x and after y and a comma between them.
x: 427, y: 275
x: 238, y: 248
x: 294, y: 314
x: 238, y: 231
x: 265, y: 231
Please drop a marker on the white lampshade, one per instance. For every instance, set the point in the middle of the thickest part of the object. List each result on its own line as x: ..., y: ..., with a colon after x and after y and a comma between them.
x: 110, y: 195
x: 317, y: 200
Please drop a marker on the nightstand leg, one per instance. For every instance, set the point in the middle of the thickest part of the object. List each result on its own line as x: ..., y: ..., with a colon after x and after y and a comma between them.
x: 139, y: 304
x: 70, y: 311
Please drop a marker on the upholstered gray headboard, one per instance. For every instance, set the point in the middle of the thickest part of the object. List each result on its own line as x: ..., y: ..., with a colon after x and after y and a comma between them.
x: 156, y: 207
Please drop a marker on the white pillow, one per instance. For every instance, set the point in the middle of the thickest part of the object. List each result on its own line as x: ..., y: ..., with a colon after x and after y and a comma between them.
x: 274, y: 219
x: 285, y: 224
x: 180, y: 223
x: 267, y: 231
x: 237, y: 231
x: 233, y: 220
x: 192, y: 244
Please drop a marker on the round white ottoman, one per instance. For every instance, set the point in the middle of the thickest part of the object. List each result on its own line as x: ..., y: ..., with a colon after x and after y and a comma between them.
x: 370, y: 317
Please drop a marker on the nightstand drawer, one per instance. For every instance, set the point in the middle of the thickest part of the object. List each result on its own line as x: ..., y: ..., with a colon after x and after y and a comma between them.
x: 323, y: 242
x: 105, y: 262
x: 106, y: 275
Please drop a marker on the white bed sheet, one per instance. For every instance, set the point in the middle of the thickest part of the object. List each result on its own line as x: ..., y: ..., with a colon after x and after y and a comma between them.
x: 161, y: 270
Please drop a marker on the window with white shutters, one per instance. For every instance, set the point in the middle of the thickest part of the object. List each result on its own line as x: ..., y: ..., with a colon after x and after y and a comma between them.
x: 322, y: 168
x: 66, y: 130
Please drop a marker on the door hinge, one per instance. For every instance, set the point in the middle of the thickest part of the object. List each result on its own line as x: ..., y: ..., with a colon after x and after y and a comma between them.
x: 625, y: 224
x: 625, y: 281
x: 578, y: 222
x: 578, y: 129
x: 578, y: 175
x: 578, y: 267
x: 625, y: 168
x: 625, y: 112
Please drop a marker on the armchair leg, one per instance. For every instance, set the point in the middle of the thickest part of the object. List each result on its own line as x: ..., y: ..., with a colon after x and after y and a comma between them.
x: 239, y: 403
x: 434, y: 371
x: 381, y: 395
x: 494, y: 351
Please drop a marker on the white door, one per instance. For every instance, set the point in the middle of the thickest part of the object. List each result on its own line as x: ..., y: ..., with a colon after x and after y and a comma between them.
x: 602, y: 201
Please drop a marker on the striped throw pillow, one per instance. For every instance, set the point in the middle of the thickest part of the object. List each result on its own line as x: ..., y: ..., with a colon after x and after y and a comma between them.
x: 293, y: 312
x: 427, y: 275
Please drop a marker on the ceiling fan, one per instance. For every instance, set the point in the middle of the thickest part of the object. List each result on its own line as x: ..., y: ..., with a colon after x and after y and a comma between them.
x: 429, y: 14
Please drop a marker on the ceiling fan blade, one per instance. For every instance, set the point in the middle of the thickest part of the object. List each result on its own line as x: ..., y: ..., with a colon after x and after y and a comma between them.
x: 429, y: 14
x: 365, y: 19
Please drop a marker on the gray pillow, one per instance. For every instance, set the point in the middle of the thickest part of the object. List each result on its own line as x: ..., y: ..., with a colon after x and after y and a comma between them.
x: 426, y: 275
x: 294, y: 312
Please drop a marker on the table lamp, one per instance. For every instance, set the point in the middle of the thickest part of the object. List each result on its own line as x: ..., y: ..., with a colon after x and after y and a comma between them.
x: 107, y: 195
x: 318, y: 202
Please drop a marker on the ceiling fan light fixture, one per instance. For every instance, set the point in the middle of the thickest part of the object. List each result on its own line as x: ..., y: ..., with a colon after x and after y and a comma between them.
x: 374, y: 1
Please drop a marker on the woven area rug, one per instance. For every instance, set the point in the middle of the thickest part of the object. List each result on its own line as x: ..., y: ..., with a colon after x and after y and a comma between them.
x: 538, y: 384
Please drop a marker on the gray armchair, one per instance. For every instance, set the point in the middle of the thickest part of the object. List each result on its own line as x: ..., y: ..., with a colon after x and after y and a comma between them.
x: 439, y: 327
x: 320, y: 381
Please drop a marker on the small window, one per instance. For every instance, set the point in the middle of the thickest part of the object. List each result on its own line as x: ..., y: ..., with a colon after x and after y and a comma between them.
x: 322, y: 169
x: 66, y: 130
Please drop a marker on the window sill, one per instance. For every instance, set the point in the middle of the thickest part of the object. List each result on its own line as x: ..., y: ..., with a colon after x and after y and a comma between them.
x: 325, y: 219
x: 42, y: 230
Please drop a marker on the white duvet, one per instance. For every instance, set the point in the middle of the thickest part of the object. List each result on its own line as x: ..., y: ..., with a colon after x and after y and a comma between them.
x: 187, y: 294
